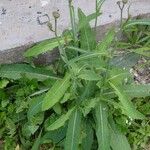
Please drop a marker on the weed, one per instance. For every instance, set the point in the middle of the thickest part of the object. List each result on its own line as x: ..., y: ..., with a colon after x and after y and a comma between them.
x: 83, y: 101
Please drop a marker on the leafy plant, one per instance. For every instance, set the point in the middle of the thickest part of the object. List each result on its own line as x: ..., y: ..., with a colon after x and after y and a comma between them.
x: 83, y: 101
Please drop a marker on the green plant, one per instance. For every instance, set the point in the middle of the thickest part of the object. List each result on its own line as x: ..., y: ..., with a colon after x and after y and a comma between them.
x: 83, y: 101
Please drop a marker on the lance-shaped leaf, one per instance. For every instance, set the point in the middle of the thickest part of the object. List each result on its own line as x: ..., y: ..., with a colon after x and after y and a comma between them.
x: 55, y: 136
x: 88, y: 19
x: 145, y: 51
x: 89, y: 138
x: 125, y: 60
x: 128, y: 106
x: 137, y: 22
x: 15, y: 71
x: 73, y: 131
x: 106, y: 42
x: 35, y: 106
x: 88, y: 56
x: 88, y: 105
x: 133, y: 91
x: 55, y: 94
x: 87, y: 37
x: 136, y: 90
x: 118, y: 140
x: 89, y: 75
x: 102, y: 129
x: 43, y: 47
x: 60, y: 121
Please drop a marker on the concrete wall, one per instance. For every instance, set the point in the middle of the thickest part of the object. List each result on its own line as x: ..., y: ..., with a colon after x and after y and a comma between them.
x: 23, y: 22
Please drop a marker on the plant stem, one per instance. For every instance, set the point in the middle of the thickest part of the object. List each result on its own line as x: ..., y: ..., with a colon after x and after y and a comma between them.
x: 61, y: 49
x: 72, y: 19
x: 96, y: 15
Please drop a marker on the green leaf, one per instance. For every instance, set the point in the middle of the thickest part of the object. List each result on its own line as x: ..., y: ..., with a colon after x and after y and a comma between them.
x: 145, y: 51
x: 37, y: 142
x: 73, y: 131
x: 15, y: 71
x: 128, y: 107
x: 55, y: 94
x: 3, y: 83
x: 60, y: 121
x: 57, y: 109
x: 88, y: 19
x: 77, y: 49
x: 135, y: 90
x: 88, y: 140
x: 87, y: 38
x: 117, y: 75
x: 35, y: 106
x: 39, y: 92
x: 43, y: 47
x: 102, y: 130
x: 137, y: 22
x: 106, y: 42
x: 118, y: 139
x: 125, y: 60
x: 88, y: 105
x: 89, y: 75
x: 88, y: 56
x: 55, y: 136
x: 99, y: 4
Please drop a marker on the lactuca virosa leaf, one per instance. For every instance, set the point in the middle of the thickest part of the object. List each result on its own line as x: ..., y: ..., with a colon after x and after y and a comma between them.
x: 89, y: 138
x: 145, y: 51
x: 56, y: 92
x: 102, y: 129
x: 87, y: 38
x: 89, y: 104
x: 125, y: 100
x: 137, y: 22
x: 88, y: 56
x: 16, y: 71
x: 35, y: 106
x: 55, y: 136
x: 118, y: 140
x: 43, y: 47
x: 88, y: 75
x: 125, y: 60
x: 73, y: 131
x: 88, y: 19
x: 60, y: 121
x: 135, y: 90
x: 106, y: 42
